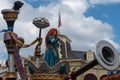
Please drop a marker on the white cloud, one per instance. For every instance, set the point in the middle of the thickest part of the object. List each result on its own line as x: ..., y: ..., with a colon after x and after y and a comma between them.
x: 84, y: 32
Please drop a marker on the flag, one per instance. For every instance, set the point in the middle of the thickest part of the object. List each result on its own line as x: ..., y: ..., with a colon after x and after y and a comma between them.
x: 59, y: 20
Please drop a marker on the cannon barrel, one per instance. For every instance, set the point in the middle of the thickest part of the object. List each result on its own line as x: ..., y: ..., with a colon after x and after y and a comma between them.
x: 105, y: 55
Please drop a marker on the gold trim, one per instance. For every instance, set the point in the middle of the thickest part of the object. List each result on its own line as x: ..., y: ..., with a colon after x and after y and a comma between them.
x: 11, y: 75
x: 47, y: 77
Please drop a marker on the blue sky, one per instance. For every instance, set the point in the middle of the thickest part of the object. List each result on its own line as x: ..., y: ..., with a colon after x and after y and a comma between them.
x: 37, y: 3
x: 108, y: 13
x: 85, y: 23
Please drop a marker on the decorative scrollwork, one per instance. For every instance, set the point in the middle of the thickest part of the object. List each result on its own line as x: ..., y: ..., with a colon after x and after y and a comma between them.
x: 41, y: 22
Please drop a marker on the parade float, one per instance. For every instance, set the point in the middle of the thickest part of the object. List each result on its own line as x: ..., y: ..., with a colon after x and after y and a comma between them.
x: 51, y: 67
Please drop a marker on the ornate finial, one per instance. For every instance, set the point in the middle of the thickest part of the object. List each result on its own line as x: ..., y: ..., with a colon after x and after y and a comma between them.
x: 17, y: 5
x: 41, y: 22
x: 10, y: 15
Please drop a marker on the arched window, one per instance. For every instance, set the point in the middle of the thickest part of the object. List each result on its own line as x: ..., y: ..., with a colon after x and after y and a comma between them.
x: 90, y: 76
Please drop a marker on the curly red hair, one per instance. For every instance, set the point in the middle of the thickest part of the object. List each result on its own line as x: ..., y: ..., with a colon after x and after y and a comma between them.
x: 51, y: 33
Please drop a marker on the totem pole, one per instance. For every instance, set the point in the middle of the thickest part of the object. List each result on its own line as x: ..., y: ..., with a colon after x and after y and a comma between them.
x: 10, y: 15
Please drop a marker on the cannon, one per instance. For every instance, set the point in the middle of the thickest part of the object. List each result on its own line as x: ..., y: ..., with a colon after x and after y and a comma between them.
x: 105, y: 55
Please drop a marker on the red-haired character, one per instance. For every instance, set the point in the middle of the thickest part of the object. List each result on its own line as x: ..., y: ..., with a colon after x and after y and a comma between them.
x: 51, y: 54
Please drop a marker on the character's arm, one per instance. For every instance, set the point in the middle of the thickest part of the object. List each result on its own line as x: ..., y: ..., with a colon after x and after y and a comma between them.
x: 14, y: 38
x: 27, y: 45
x: 39, y: 42
x: 20, y: 42
x: 53, y: 40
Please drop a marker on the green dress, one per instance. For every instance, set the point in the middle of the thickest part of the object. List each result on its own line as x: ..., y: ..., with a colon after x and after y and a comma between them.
x: 51, y: 54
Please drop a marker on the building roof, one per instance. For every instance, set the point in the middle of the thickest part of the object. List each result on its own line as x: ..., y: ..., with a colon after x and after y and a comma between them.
x: 65, y: 37
x: 77, y: 55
